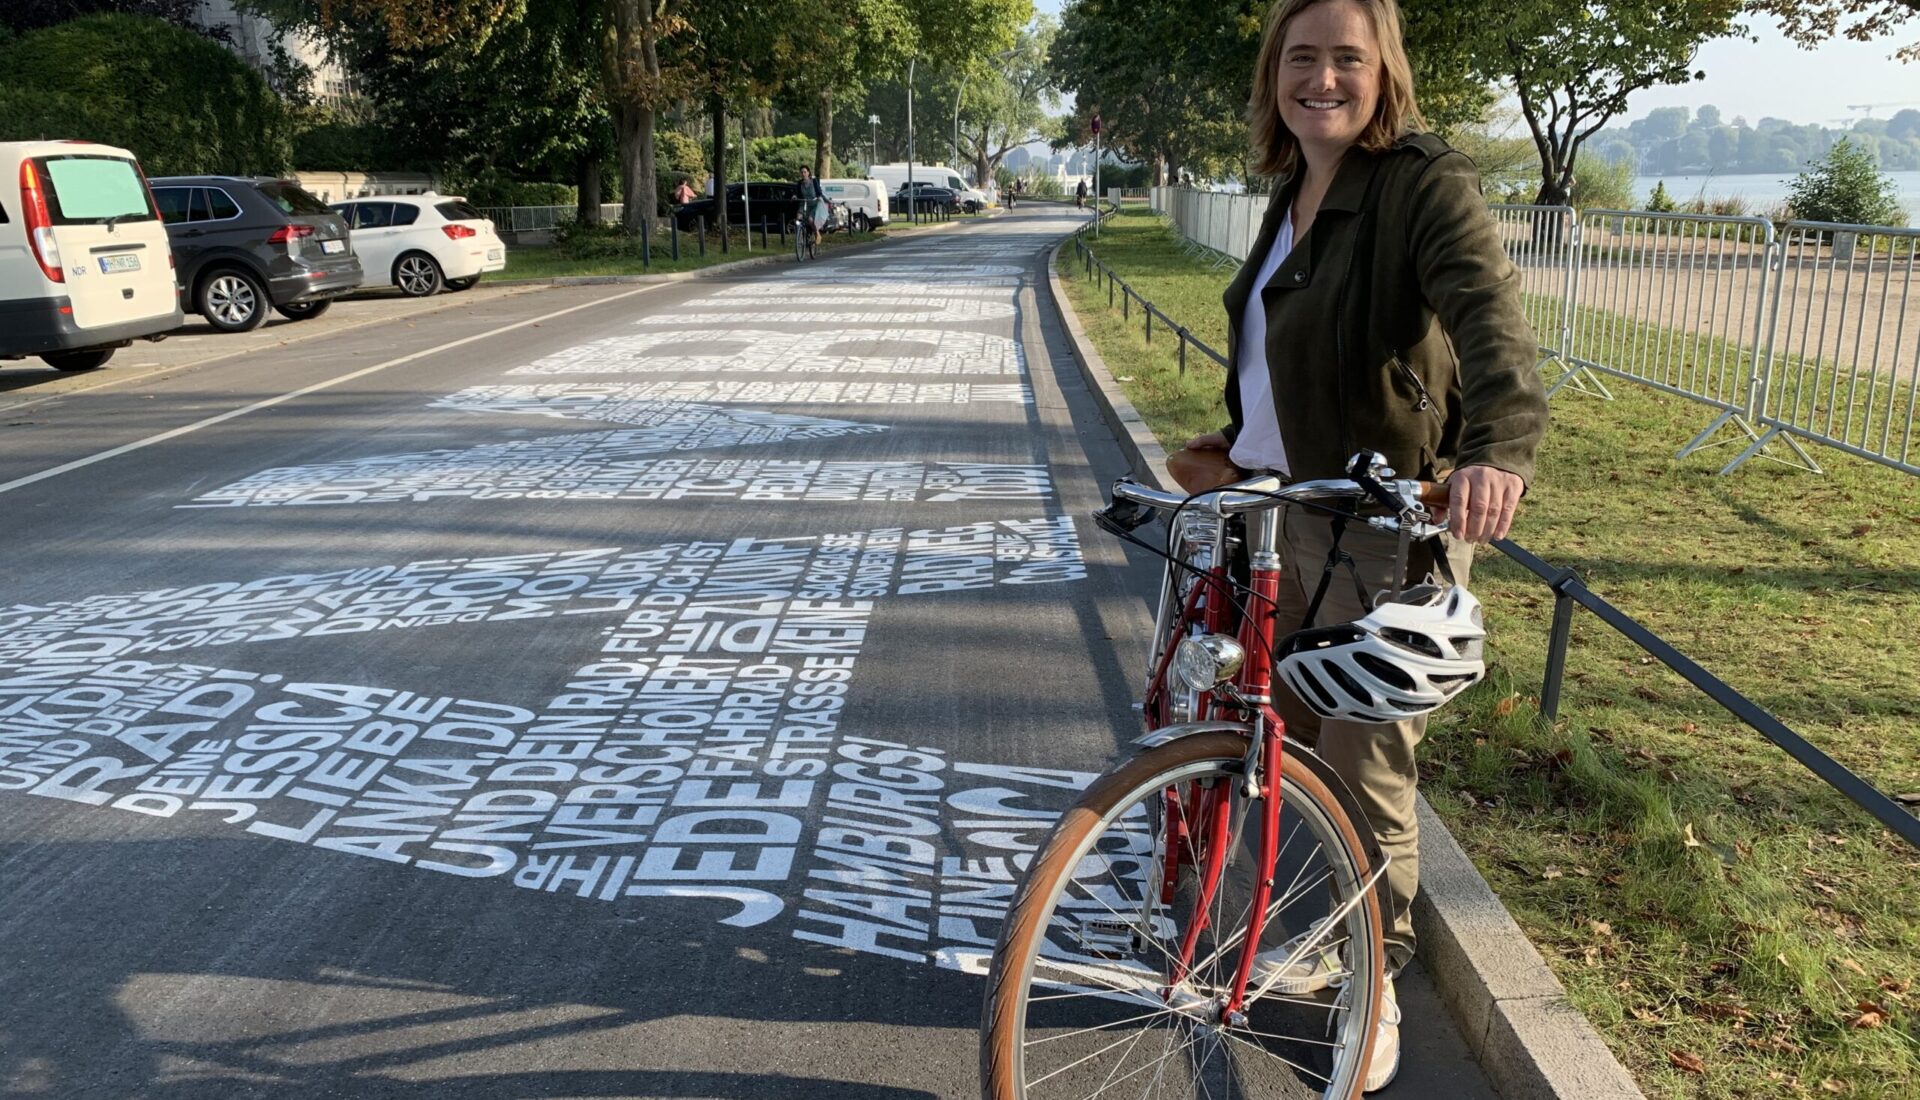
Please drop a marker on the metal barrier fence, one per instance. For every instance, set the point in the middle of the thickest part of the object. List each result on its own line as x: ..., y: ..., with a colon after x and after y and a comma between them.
x: 1843, y: 294
x: 1096, y: 270
x: 1805, y: 334
x: 536, y: 219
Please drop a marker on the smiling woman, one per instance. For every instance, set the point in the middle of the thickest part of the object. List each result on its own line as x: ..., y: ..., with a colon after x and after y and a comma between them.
x: 1377, y: 312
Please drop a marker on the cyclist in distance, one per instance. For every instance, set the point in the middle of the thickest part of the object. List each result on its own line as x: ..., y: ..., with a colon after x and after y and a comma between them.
x: 1376, y: 309
x: 808, y: 190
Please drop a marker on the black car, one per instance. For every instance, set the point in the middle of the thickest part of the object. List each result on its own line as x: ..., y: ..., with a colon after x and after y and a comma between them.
x: 928, y: 197
x: 770, y: 204
x: 242, y: 244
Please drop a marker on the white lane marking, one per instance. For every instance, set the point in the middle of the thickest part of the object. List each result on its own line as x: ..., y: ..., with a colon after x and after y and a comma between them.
x: 139, y: 444
x: 161, y: 370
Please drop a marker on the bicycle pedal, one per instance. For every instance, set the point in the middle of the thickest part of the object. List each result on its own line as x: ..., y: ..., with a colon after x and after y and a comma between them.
x: 1110, y: 939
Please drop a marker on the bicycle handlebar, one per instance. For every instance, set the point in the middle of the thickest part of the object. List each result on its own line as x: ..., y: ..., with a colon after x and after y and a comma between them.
x: 1260, y: 493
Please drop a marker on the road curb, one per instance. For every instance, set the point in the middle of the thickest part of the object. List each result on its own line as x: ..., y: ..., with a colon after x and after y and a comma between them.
x: 1514, y: 1014
x: 731, y: 265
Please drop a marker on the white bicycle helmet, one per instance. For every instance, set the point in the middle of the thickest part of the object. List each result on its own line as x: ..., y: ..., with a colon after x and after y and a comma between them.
x: 1405, y: 658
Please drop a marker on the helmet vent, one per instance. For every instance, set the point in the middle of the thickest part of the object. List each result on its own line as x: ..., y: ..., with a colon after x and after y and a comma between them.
x: 1419, y: 643
x: 1385, y: 670
x: 1349, y: 685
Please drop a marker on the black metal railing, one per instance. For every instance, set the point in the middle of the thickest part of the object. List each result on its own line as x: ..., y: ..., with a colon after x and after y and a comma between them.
x: 1097, y: 271
x: 1570, y: 591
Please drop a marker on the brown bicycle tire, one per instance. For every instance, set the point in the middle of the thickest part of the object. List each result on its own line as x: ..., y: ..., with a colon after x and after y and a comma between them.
x: 1013, y: 955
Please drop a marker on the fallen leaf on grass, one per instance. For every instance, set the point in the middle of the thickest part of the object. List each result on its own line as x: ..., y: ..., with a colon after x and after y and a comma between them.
x: 1831, y: 1085
x: 1647, y: 693
x: 1505, y: 706
x: 1686, y: 836
x: 1721, y: 1011
x: 1600, y: 927
x: 1552, y: 872
x: 1869, y: 1016
x: 1689, y: 1062
x: 1854, y: 966
x: 1895, y: 988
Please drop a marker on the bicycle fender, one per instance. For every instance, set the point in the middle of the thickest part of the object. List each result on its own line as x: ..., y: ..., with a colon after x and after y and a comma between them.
x: 1321, y: 770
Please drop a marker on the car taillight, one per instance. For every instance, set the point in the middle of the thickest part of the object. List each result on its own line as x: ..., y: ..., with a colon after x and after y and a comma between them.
x: 287, y: 234
x: 457, y: 232
x: 33, y: 200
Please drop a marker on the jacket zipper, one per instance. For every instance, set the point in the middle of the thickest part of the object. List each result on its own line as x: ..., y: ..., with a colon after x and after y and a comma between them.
x: 1426, y: 399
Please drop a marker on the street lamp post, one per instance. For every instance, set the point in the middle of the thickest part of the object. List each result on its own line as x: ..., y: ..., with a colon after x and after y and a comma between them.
x: 873, y: 149
x: 913, y: 208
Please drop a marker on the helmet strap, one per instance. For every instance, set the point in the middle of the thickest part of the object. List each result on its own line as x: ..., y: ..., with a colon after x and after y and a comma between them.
x: 1335, y: 558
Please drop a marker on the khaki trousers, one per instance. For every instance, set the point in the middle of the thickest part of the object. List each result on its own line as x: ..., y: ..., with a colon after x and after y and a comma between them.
x: 1375, y: 759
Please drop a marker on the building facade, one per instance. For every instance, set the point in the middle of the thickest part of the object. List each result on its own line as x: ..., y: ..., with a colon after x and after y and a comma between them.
x: 255, y: 37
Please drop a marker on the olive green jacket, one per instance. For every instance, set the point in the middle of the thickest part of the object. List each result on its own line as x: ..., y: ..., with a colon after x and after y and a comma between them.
x: 1401, y: 266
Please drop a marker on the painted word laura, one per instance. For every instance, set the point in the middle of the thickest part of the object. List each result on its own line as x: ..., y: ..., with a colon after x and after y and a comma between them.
x: 634, y: 402
x: 770, y: 351
x: 593, y: 467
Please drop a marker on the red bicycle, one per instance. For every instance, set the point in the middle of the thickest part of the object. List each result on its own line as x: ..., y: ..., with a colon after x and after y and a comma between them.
x: 1132, y: 960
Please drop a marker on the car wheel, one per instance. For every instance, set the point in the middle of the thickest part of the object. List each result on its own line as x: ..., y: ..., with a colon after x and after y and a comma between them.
x: 304, y: 311
x: 77, y: 360
x: 860, y: 222
x: 467, y: 283
x: 232, y: 300
x: 417, y: 275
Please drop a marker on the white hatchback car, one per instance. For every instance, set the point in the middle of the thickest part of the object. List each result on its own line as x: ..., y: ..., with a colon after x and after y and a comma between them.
x: 85, y: 265
x: 421, y: 243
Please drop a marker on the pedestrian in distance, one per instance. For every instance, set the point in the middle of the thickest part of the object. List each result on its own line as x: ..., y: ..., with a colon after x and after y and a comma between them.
x: 1377, y: 265
x: 683, y: 194
x: 1080, y: 194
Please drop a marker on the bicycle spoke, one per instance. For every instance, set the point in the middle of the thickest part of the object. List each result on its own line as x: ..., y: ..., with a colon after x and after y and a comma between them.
x: 1102, y: 1027
x: 1290, y: 1063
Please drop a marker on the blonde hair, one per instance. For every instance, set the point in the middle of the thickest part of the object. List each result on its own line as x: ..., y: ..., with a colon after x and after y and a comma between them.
x: 1276, y: 152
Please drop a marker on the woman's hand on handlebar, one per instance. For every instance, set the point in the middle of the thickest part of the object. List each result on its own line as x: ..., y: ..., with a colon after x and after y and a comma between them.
x: 1212, y: 441
x: 1481, y: 502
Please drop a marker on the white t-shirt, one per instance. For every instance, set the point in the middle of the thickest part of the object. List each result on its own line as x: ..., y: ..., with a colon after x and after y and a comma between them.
x: 1258, y: 447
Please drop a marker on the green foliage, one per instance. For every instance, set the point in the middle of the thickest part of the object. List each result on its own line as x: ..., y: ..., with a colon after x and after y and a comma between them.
x: 1604, y: 184
x: 680, y: 155
x: 1660, y: 202
x: 492, y: 189
x: 781, y: 158
x: 325, y: 141
x: 181, y: 103
x: 1847, y: 188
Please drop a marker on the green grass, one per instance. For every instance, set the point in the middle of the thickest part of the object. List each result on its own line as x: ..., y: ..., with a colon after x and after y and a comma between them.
x: 1731, y: 926
x: 549, y: 262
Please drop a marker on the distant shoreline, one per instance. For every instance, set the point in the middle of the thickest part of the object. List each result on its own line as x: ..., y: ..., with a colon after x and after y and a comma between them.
x: 1762, y: 190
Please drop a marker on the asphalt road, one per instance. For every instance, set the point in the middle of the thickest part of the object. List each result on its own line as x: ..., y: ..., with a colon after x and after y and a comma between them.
x: 493, y: 701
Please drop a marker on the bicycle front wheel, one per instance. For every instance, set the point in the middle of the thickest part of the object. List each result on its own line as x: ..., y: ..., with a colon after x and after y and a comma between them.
x: 1093, y: 991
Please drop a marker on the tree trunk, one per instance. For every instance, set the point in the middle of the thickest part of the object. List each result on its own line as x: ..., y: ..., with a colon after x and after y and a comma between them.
x: 634, y: 79
x: 718, y: 108
x: 823, y: 139
x: 982, y: 166
x: 587, y: 183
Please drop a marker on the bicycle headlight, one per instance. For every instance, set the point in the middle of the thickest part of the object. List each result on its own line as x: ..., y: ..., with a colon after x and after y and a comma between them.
x: 1207, y: 659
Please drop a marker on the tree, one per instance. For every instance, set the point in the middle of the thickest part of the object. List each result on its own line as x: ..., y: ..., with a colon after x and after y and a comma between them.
x: 94, y: 77
x: 1007, y: 101
x: 21, y: 16
x: 1844, y: 188
x: 1811, y: 22
x: 625, y: 36
x: 1573, y: 69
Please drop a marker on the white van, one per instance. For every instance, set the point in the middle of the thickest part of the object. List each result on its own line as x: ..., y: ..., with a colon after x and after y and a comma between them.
x: 865, y: 200
x: 85, y: 266
x: 895, y: 177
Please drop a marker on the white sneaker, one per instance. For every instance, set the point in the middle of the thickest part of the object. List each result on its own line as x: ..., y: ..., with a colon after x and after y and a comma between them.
x: 1286, y: 969
x: 1386, y: 1042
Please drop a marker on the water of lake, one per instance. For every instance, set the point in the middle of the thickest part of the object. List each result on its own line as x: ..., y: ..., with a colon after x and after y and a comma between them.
x: 1763, y: 191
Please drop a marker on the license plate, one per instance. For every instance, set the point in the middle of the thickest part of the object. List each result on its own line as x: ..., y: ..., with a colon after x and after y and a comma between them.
x: 493, y: 254
x: 333, y: 248
x: 119, y: 265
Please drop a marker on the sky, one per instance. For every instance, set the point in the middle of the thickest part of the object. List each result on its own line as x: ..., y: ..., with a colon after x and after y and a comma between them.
x: 1774, y: 78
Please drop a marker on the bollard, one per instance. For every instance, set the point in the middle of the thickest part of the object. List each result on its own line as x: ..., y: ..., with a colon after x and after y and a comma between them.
x: 646, y: 244
x: 1109, y: 292
x: 1149, y: 313
x: 1125, y: 312
x: 783, y: 232
x: 763, y: 231
x: 676, y: 240
x: 1183, y: 349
